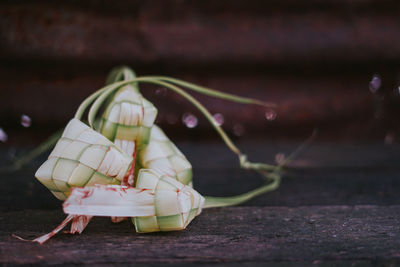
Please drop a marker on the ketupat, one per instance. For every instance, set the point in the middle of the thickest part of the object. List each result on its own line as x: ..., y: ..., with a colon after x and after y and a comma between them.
x: 163, y: 156
x: 170, y: 214
x: 128, y: 117
x: 156, y: 203
x: 82, y: 157
x: 174, y: 164
x: 128, y: 121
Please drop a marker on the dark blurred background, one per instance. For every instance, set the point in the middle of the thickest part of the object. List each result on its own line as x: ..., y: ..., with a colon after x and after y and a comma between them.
x: 315, y: 59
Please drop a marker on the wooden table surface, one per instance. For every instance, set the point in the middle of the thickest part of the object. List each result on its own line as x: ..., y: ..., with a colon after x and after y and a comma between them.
x: 339, y: 204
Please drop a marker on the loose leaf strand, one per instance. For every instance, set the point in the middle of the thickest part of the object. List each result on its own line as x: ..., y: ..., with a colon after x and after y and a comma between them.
x: 121, y: 73
x: 88, y: 101
x: 213, y: 202
x: 105, y: 93
x: 31, y: 155
x: 212, y: 92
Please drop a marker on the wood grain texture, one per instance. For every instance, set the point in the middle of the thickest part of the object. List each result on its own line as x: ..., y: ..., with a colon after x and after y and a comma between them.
x: 338, y: 205
x: 230, y: 235
x: 325, y: 174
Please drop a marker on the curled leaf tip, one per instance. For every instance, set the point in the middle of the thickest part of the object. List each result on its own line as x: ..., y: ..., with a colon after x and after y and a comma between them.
x: 243, y: 161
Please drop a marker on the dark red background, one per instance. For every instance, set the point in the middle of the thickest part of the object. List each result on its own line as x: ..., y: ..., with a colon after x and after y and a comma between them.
x: 313, y: 58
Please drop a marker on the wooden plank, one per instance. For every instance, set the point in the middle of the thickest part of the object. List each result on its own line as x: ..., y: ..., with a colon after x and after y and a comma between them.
x: 316, y: 234
x: 323, y: 187
x: 325, y: 174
